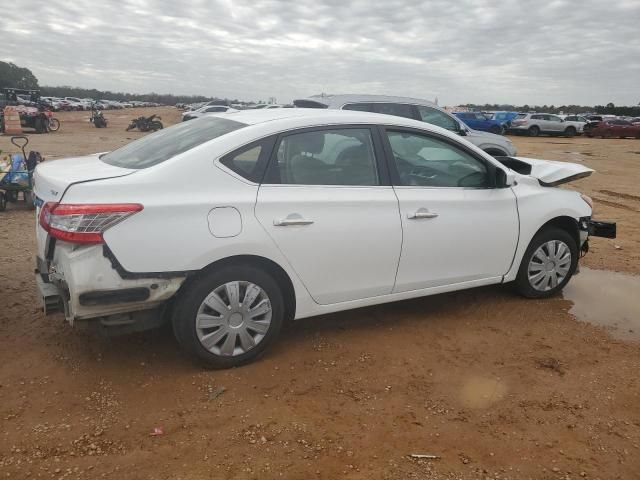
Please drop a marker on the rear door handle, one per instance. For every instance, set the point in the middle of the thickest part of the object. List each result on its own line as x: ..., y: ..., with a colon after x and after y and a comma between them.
x: 421, y: 213
x: 293, y: 219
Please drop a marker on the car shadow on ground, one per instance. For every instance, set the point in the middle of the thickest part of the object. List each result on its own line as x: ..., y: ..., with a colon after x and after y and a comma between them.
x: 159, y: 346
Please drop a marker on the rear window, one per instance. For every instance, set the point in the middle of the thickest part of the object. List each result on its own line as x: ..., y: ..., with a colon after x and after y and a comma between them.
x: 165, y: 144
x: 522, y: 115
x: 309, y: 104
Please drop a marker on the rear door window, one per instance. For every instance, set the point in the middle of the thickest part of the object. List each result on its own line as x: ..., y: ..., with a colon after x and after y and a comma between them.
x: 359, y: 107
x: 342, y: 156
x: 396, y: 109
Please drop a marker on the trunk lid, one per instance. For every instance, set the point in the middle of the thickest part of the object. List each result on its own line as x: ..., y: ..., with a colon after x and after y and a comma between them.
x: 548, y: 172
x: 52, y: 178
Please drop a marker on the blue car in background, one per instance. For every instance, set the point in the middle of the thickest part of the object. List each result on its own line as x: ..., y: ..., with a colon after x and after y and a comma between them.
x: 504, y: 117
x: 479, y: 121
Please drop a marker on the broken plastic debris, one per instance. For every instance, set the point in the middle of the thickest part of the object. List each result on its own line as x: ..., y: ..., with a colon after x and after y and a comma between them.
x: 157, y: 431
x: 425, y: 455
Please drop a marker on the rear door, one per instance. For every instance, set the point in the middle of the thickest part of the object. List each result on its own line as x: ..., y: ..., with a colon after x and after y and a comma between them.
x: 555, y: 124
x: 327, y: 203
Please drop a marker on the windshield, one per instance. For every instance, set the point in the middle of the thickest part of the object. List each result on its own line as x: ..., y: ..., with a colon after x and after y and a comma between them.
x: 165, y: 144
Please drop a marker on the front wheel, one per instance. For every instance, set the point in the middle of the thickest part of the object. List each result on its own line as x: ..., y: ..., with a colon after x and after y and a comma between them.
x: 570, y: 132
x: 228, y: 317
x: 54, y: 124
x: 548, y: 264
x: 3, y: 202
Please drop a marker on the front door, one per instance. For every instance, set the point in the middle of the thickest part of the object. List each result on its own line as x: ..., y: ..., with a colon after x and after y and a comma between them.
x: 456, y: 227
x: 332, y: 212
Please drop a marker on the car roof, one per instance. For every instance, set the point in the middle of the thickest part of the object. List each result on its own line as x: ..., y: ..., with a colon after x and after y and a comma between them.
x: 309, y: 117
x: 337, y: 101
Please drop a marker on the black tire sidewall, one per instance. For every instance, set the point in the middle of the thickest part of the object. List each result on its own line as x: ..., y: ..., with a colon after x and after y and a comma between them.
x: 534, y: 131
x: 195, y: 291
x: 543, y: 236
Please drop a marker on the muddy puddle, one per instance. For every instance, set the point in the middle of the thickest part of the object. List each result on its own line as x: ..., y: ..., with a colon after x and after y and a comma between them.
x: 608, y: 299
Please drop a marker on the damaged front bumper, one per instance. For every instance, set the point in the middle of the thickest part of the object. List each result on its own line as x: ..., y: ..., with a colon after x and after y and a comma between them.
x: 594, y: 228
x: 82, y: 282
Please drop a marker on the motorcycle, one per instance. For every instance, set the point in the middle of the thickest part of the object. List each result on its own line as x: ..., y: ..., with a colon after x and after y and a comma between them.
x: 146, y: 124
x: 97, y: 118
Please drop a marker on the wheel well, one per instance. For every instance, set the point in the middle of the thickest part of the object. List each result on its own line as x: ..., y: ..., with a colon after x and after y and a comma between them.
x: 568, y: 224
x: 265, y: 264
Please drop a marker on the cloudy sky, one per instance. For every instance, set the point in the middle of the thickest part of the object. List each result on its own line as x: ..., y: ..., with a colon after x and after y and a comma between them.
x: 504, y: 51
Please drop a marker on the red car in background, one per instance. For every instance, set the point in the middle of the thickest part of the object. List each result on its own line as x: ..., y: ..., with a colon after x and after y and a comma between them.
x: 615, y: 128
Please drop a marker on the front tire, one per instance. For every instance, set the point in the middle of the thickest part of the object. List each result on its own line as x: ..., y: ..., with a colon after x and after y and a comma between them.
x: 548, y: 264
x: 228, y: 317
x: 496, y: 129
x: 570, y: 132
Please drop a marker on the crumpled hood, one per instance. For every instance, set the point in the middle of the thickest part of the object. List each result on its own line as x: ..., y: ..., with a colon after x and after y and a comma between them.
x: 548, y: 172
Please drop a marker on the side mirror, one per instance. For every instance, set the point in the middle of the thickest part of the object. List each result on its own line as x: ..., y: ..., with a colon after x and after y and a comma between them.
x: 462, y: 130
x: 505, y: 178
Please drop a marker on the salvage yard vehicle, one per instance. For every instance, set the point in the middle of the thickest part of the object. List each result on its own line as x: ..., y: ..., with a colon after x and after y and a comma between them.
x: 416, y: 109
x: 292, y: 213
x: 146, y: 124
x: 614, y: 128
x: 191, y: 114
x: 479, y: 121
x: 534, y: 124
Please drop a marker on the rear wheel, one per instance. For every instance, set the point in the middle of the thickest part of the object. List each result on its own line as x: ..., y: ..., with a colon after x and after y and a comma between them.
x: 548, y: 264
x: 496, y: 129
x: 534, y: 131
x: 607, y: 134
x: 3, y: 202
x: 54, y: 124
x: 228, y: 317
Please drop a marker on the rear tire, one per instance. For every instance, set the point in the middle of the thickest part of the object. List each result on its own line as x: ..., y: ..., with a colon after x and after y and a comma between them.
x: 542, y: 269
x: 3, y: 202
x: 223, y: 332
x: 534, y: 131
x: 496, y: 129
x: 54, y: 124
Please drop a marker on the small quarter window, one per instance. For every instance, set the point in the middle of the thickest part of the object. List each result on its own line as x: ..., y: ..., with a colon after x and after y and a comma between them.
x: 249, y: 162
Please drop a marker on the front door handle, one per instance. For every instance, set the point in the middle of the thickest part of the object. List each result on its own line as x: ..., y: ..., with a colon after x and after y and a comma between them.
x: 293, y: 219
x: 421, y: 213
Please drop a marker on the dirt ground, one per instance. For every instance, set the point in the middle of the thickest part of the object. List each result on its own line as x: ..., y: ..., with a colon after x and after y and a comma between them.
x: 494, y: 385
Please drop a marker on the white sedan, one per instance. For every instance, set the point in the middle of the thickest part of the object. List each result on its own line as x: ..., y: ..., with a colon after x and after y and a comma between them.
x: 231, y: 224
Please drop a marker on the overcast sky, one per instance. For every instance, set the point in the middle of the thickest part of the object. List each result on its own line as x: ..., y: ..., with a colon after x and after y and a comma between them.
x: 505, y: 51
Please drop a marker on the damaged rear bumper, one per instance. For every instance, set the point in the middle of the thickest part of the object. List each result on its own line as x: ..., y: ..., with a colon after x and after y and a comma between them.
x: 82, y: 282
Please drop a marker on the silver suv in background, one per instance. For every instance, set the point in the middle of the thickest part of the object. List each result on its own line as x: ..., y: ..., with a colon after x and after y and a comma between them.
x: 416, y: 109
x: 534, y: 124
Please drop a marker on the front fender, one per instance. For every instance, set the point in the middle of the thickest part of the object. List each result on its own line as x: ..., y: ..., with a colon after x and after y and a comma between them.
x: 537, y: 206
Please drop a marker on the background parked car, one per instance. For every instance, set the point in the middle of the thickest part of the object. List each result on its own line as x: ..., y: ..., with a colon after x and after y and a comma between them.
x: 534, y: 124
x: 479, y: 121
x: 416, y: 109
x: 615, y: 128
x: 190, y: 115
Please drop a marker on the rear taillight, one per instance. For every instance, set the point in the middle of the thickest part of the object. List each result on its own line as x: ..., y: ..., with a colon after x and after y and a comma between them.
x: 83, y: 223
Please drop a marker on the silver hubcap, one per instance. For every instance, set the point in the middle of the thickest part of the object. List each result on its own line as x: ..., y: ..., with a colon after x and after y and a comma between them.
x: 233, y: 318
x: 549, y: 265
